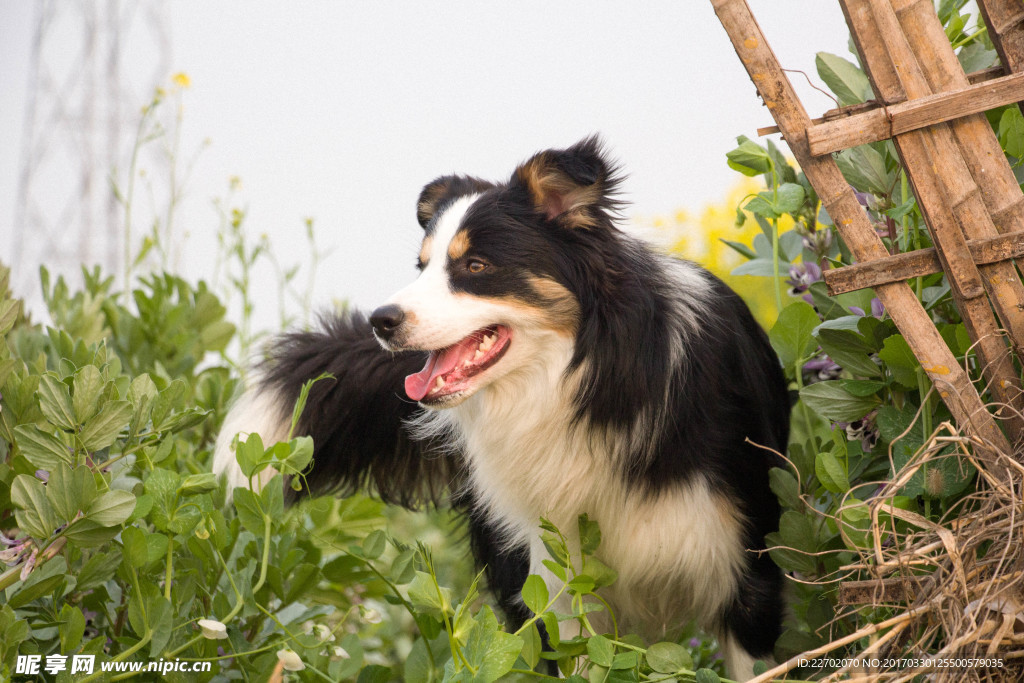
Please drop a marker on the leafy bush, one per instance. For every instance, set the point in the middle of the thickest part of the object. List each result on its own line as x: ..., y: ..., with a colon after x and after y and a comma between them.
x: 865, y: 405
x: 120, y: 542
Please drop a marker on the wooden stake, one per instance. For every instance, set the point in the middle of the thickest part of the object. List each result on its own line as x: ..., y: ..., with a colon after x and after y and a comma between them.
x: 1005, y: 21
x: 918, y: 263
x: 881, y: 124
x: 777, y: 92
x: 946, y: 190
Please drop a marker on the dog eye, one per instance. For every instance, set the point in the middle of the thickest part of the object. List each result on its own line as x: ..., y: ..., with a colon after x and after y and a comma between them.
x: 475, y: 266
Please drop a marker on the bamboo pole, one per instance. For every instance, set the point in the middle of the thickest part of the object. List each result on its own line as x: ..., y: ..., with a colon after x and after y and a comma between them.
x: 918, y: 263
x: 883, y: 123
x: 777, y: 92
x: 978, y: 144
x: 1005, y: 21
x: 947, y: 195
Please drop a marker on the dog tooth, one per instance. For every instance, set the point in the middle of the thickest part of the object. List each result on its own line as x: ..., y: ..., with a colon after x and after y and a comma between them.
x: 478, y: 355
x: 440, y: 382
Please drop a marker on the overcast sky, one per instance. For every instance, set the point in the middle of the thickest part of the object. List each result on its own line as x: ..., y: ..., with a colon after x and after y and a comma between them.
x: 342, y: 111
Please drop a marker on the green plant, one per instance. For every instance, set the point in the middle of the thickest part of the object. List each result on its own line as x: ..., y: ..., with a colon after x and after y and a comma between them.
x: 865, y: 407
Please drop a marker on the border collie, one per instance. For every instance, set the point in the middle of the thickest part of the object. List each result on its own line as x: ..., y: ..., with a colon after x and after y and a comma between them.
x: 545, y: 364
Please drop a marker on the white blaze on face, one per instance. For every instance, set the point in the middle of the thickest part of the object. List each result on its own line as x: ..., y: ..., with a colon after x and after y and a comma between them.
x: 438, y: 317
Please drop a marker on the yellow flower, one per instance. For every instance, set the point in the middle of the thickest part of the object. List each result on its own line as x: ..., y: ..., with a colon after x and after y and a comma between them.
x: 182, y: 80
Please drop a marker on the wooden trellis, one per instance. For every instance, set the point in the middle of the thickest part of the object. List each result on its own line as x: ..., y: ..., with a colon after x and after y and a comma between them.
x: 967, y: 191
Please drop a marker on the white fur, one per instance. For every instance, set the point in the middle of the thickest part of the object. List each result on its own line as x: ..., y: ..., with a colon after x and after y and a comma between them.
x: 259, y: 413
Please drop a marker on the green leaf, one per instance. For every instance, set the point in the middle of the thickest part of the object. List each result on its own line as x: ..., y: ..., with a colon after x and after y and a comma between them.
x: 848, y: 351
x: 532, y: 646
x: 374, y: 673
x: 785, y: 487
x: 111, y: 508
x: 44, y: 450
x: 86, y: 533
x: 102, y: 430
x: 862, y: 387
x: 668, y: 658
x: 55, y: 402
x: 133, y: 540
x: 72, y: 628
x: 535, y: 594
x: 250, y: 512
x: 141, y: 394
x: 98, y: 569
x: 900, y: 360
x: 599, y: 572
x: 87, y: 386
x: 761, y: 267
x: 36, y: 515
x: 491, y: 650
x: 829, y: 399
x: 590, y: 534
x: 791, y: 335
x: 1011, y: 132
x: 790, y: 197
x: 743, y: 249
x: 977, y: 57
x: 581, y: 584
x: 847, y: 82
x: 601, y: 651
x: 70, y: 491
x: 43, y: 581
x: 831, y: 472
x: 707, y: 676
x: 194, y: 484
x: 428, y: 596
x: 374, y: 544
x: 749, y: 158
x: 864, y: 168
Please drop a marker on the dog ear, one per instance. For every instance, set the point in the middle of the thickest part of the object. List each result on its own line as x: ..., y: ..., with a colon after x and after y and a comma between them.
x: 443, y: 191
x: 574, y: 187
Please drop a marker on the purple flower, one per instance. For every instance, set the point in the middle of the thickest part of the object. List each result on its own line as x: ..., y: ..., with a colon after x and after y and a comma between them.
x: 818, y: 241
x: 820, y: 369
x: 802, y: 276
x: 43, y: 475
x: 877, y: 308
x: 864, y: 430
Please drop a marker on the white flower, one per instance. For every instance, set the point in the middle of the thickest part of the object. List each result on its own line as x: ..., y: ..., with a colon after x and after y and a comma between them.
x: 213, y: 629
x: 341, y: 653
x: 371, y: 616
x: 323, y: 633
x: 290, y: 660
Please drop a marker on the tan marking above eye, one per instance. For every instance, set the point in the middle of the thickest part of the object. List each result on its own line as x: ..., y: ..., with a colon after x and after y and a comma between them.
x: 428, y: 242
x: 459, y: 245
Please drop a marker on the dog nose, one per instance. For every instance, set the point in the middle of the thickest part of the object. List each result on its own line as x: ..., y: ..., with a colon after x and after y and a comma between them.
x: 386, y: 320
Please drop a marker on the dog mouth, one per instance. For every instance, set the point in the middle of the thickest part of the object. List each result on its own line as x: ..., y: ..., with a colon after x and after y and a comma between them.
x: 450, y: 370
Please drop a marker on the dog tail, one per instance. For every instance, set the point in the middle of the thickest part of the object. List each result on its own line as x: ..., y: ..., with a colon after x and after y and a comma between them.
x: 356, y: 416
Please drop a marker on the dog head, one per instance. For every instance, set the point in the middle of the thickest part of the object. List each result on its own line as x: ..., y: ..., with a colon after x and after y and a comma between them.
x: 503, y: 271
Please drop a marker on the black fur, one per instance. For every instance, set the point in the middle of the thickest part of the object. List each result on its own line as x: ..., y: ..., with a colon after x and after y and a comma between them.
x: 356, y: 418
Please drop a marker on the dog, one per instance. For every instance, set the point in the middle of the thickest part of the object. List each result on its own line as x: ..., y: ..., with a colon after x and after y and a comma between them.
x: 546, y: 364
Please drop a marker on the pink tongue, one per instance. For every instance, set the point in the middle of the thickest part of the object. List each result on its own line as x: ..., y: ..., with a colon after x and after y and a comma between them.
x: 438, y: 363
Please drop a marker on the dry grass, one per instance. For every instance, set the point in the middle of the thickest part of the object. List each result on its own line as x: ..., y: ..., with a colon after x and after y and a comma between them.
x: 954, y: 589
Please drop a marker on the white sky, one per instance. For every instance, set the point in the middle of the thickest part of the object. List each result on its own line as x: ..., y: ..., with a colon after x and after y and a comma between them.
x: 342, y: 111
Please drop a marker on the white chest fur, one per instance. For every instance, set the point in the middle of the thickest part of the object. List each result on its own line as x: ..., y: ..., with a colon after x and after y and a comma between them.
x: 677, y: 554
